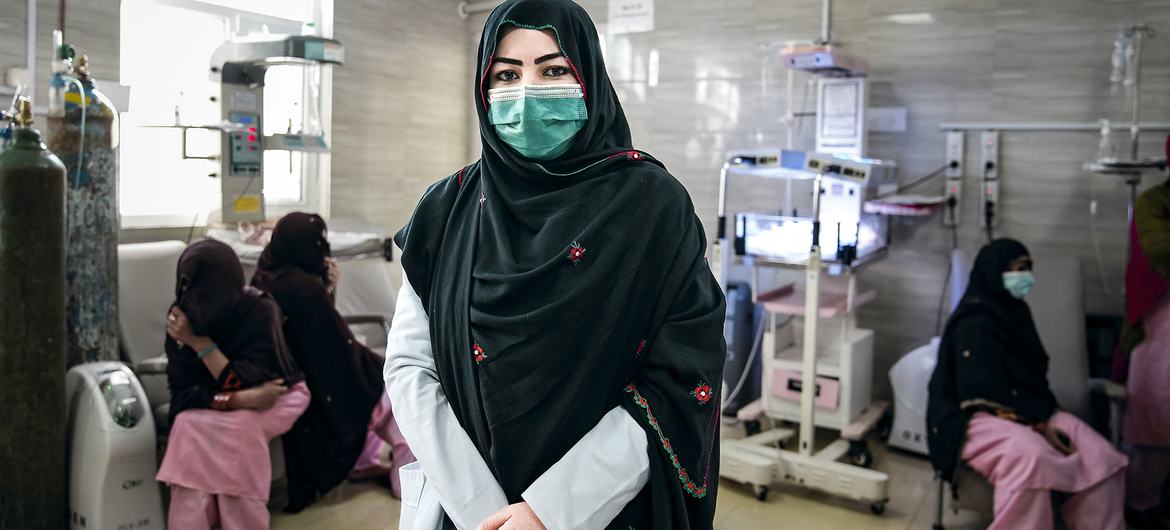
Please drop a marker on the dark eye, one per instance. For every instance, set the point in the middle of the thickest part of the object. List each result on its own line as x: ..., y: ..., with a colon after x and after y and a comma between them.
x: 556, y: 71
x: 507, y: 75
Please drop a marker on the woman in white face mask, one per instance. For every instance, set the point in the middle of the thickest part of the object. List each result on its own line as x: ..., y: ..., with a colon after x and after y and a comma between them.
x: 991, y: 407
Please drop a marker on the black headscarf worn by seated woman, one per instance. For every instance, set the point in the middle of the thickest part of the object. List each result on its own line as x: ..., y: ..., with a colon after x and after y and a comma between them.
x: 344, y: 377
x: 298, y: 241
x: 990, y: 354
x: 559, y: 290
x: 242, y: 321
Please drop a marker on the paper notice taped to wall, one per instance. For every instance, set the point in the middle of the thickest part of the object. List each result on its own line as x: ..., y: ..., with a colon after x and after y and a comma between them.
x: 630, y: 16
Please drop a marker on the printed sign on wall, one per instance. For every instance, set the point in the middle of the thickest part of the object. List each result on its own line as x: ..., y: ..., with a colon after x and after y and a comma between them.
x: 630, y: 16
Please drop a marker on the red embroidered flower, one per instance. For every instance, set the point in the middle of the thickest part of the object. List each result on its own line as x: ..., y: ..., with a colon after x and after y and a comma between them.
x: 641, y: 346
x: 702, y: 393
x: 576, y: 252
x: 477, y: 350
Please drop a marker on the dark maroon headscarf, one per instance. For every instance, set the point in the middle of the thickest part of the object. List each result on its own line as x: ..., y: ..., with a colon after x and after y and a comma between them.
x: 344, y: 376
x: 242, y: 321
x: 299, y: 240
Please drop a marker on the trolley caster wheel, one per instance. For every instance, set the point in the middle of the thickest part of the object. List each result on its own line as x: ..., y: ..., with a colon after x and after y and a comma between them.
x: 878, y: 508
x: 761, y: 493
x: 860, y: 455
x: 885, y: 426
x: 752, y: 427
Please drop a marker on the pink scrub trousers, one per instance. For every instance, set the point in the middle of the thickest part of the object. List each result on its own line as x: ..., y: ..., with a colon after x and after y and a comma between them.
x: 218, y: 467
x: 1146, y: 428
x: 1025, y: 469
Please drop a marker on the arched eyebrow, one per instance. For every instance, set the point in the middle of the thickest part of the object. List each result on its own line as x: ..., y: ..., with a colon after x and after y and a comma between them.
x: 517, y: 62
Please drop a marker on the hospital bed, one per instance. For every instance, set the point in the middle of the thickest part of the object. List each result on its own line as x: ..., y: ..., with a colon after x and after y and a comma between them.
x: 365, y: 299
x: 367, y: 292
x: 1058, y: 307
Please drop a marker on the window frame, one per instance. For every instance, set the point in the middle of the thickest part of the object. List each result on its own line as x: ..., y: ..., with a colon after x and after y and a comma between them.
x: 316, y: 175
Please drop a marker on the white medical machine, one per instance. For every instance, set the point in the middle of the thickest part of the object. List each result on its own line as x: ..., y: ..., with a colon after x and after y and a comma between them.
x: 241, y: 66
x: 811, y: 339
x: 910, y: 380
x: 112, y: 457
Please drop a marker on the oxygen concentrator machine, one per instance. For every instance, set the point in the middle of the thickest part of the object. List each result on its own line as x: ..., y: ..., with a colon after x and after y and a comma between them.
x: 112, y: 458
x: 910, y: 381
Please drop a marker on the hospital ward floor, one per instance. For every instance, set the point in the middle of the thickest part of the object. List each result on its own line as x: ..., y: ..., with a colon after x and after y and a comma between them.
x: 911, y: 506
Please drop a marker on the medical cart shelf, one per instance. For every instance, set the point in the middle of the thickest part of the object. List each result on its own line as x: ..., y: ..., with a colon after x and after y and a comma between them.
x: 840, y: 359
x: 789, y: 300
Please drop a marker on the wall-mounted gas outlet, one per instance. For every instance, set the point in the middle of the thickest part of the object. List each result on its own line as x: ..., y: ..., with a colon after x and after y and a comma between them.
x: 954, y: 182
x: 989, y: 167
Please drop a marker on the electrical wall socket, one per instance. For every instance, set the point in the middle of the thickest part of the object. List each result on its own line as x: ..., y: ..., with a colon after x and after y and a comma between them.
x: 989, y: 166
x: 954, y: 158
x: 954, y: 182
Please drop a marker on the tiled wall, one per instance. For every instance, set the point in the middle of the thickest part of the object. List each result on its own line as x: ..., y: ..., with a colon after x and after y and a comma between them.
x: 399, y: 105
x: 91, y: 26
x: 1009, y: 60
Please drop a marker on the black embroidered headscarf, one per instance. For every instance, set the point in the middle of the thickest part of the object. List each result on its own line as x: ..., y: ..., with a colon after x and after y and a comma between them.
x: 559, y: 290
x: 244, y: 322
x: 991, y: 352
x: 344, y: 376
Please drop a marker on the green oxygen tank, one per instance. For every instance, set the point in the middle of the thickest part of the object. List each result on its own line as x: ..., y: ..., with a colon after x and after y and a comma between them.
x: 83, y: 131
x: 32, y: 331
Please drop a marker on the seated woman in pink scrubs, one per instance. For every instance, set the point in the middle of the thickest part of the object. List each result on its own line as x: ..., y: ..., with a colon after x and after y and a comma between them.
x: 991, y: 407
x: 233, y: 386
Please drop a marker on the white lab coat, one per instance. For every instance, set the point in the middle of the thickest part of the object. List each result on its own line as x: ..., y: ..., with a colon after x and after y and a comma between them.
x: 450, y: 475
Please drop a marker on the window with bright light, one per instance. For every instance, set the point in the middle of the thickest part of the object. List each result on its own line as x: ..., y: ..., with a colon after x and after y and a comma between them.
x: 166, y: 48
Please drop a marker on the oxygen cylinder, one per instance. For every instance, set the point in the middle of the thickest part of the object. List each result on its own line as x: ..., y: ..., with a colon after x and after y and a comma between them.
x: 32, y: 331
x: 83, y: 131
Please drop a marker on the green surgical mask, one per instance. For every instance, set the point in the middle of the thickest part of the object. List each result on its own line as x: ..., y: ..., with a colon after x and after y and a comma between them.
x: 538, y: 121
x: 1018, y: 283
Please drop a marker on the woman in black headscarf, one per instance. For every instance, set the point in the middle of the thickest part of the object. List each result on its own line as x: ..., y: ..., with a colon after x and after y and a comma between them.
x: 342, y: 373
x: 233, y: 387
x: 558, y: 301
x: 991, y: 407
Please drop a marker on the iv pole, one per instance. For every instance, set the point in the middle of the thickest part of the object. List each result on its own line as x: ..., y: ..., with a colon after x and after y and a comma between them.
x: 812, y: 304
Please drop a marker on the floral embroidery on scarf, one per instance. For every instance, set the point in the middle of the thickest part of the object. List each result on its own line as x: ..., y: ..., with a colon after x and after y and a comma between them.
x: 477, y: 350
x: 576, y: 252
x: 641, y: 347
x: 702, y: 393
x: 689, y: 485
